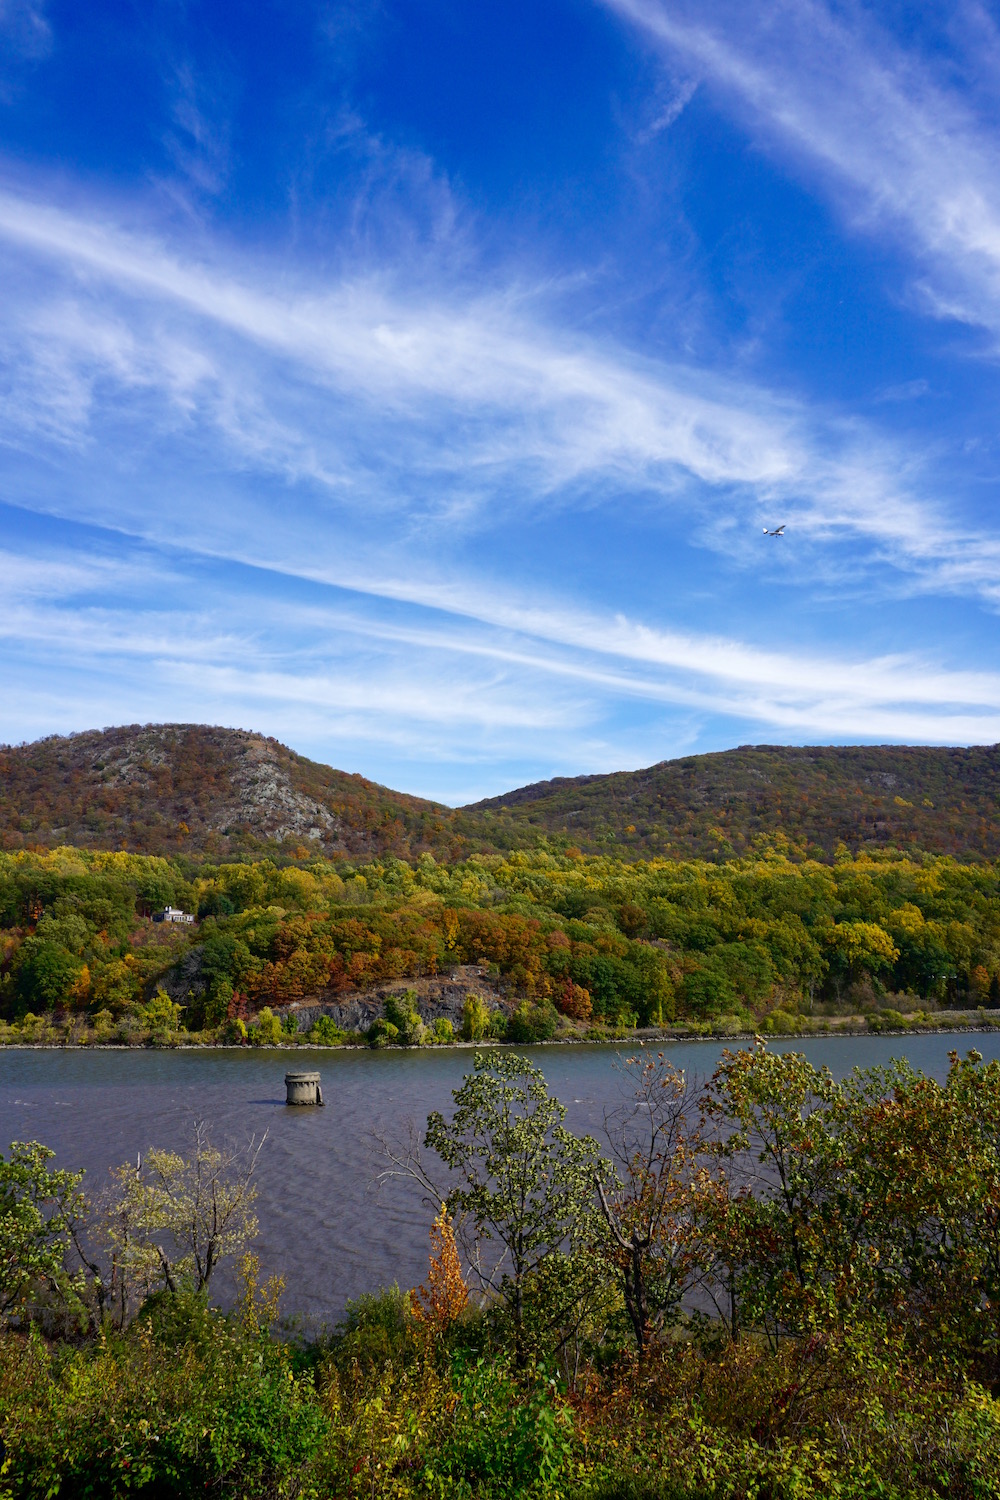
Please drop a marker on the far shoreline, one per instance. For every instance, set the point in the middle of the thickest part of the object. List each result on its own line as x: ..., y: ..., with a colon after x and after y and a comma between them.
x: 644, y: 1039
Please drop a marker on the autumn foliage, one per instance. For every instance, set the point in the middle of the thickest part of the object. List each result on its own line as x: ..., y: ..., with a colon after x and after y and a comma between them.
x: 444, y: 1296
x: 561, y: 943
x: 768, y: 1285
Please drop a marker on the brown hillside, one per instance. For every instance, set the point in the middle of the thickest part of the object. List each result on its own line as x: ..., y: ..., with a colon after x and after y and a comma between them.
x: 940, y: 799
x: 173, y: 788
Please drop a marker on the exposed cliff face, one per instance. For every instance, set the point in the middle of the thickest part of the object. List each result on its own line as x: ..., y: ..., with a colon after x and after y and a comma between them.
x: 354, y: 1010
x: 442, y: 995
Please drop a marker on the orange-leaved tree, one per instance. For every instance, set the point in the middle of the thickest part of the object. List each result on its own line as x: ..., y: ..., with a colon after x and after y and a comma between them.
x: 444, y: 1295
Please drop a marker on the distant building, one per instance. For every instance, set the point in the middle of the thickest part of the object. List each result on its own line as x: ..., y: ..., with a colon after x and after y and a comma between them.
x: 171, y: 914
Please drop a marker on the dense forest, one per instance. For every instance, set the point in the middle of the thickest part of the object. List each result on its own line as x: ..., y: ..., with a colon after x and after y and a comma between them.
x: 527, y: 945
x: 817, y: 797
x: 209, y: 793
x: 764, y: 1286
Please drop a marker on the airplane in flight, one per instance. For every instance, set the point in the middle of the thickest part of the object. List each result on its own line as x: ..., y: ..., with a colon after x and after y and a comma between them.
x: 779, y: 532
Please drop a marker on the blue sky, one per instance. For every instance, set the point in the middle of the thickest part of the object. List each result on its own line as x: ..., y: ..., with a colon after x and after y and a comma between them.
x: 413, y: 381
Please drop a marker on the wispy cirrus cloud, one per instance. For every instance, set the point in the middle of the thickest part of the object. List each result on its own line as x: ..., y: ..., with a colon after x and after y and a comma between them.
x: 447, y: 678
x: 198, y: 136
x: 430, y: 403
x: 480, y: 353
x: 905, y: 140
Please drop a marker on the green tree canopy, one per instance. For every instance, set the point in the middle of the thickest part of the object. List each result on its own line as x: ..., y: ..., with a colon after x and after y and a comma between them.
x: 525, y: 1184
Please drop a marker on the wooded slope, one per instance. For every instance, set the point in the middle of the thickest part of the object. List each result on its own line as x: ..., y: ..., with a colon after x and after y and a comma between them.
x: 222, y: 793
x: 703, y: 806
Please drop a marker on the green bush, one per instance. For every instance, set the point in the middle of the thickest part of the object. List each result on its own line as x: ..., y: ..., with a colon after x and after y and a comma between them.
x: 324, y: 1032
x: 265, y: 1030
x: 782, y: 1022
x: 219, y: 1413
x: 477, y: 1019
x: 161, y: 1014
x: 504, y: 1438
x: 382, y: 1033
x: 376, y: 1330
x: 531, y: 1022
x: 210, y: 1009
x: 401, y: 1012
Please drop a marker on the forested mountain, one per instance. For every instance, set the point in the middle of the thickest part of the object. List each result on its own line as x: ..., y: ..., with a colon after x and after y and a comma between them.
x: 206, y: 792
x: 223, y: 793
x: 710, y: 806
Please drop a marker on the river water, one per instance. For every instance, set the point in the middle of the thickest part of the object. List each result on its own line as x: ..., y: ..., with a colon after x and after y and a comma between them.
x: 322, y: 1224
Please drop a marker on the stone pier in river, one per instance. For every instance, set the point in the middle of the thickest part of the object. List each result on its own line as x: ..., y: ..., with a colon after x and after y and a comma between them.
x: 303, y: 1088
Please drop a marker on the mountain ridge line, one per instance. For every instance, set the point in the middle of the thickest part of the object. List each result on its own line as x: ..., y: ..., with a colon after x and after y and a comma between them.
x: 218, y: 793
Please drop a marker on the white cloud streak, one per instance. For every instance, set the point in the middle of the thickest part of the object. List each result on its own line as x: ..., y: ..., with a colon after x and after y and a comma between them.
x: 437, y: 404
x: 491, y: 678
x: 904, y: 149
x: 400, y: 354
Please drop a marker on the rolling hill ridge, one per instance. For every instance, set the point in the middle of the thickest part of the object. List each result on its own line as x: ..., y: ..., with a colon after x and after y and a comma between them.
x: 941, y: 799
x: 215, y: 793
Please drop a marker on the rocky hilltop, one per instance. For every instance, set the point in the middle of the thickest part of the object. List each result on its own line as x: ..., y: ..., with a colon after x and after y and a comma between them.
x: 218, y: 793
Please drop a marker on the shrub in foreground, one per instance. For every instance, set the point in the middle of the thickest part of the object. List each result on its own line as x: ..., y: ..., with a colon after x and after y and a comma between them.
x: 222, y: 1413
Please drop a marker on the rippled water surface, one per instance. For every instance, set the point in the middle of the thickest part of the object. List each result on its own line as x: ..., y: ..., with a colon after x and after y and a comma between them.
x: 321, y: 1225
